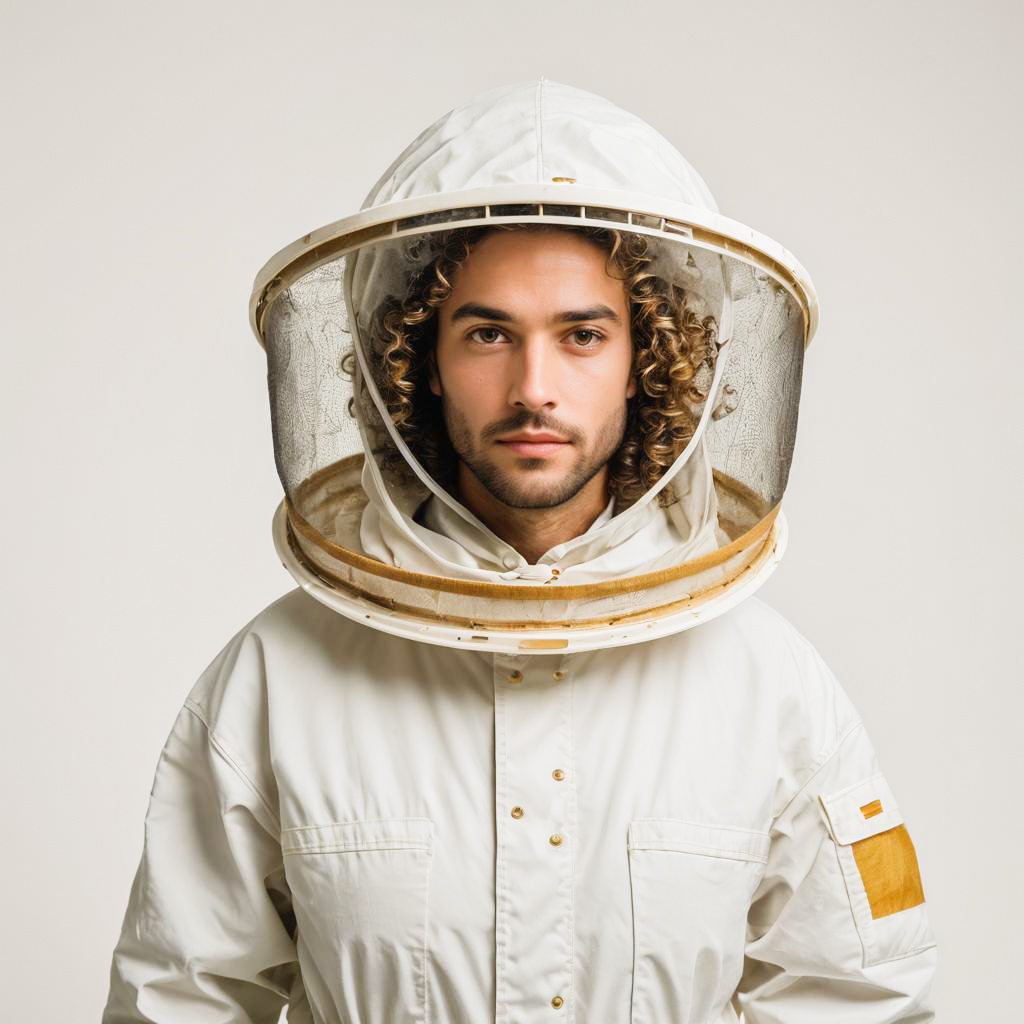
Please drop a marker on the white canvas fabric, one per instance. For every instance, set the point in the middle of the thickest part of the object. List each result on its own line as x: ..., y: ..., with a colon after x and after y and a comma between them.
x: 356, y: 822
x: 535, y: 132
x: 334, y: 828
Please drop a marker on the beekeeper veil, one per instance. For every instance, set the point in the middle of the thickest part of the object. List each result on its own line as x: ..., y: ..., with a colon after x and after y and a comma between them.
x: 372, y: 523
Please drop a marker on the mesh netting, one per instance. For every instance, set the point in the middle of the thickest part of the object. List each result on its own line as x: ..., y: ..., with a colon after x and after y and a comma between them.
x: 307, y: 337
x: 750, y: 437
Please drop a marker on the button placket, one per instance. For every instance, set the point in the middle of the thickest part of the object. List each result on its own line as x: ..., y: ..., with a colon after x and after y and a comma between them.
x: 535, y: 823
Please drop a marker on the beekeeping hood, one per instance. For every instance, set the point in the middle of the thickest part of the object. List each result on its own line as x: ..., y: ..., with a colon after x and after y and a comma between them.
x: 366, y: 529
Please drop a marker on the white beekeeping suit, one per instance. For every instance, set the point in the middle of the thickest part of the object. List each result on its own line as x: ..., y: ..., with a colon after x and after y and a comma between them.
x: 439, y: 783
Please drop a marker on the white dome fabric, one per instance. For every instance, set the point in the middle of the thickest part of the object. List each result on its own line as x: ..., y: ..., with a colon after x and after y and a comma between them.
x: 538, y: 132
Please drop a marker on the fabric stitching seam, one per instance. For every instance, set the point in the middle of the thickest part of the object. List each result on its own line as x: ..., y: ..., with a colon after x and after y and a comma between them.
x: 233, y: 763
x: 822, y: 764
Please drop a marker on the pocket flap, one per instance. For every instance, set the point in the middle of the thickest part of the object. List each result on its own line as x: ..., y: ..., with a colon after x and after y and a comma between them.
x: 369, y: 834
x: 692, y: 837
x: 861, y: 810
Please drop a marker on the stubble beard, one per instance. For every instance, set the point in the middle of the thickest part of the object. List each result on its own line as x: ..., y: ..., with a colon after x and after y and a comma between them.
x: 509, y: 488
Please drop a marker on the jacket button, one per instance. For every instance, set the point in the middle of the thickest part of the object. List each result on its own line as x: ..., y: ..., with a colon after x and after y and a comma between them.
x: 558, y: 675
x: 555, y: 840
x: 558, y: 775
x: 517, y: 812
x: 510, y: 561
x: 515, y: 676
x: 557, y: 1002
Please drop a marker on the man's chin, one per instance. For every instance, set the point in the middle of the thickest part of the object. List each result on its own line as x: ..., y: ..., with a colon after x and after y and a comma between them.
x: 534, y: 495
x: 524, y: 502
x: 532, y: 483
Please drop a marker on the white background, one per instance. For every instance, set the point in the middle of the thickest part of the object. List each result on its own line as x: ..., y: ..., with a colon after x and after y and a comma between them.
x: 154, y: 156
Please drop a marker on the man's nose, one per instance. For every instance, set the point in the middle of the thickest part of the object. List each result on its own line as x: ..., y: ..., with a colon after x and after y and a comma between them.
x: 533, y: 375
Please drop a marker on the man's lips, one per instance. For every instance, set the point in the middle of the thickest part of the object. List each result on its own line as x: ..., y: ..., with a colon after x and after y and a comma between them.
x: 533, y: 444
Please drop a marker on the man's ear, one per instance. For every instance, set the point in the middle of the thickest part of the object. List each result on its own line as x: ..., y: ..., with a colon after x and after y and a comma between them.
x: 631, y: 386
x: 432, y: 375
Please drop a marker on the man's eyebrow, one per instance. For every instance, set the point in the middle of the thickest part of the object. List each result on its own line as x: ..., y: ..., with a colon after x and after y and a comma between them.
x: 469, y: 310
x: 599, y: 312
x: 474, y: 309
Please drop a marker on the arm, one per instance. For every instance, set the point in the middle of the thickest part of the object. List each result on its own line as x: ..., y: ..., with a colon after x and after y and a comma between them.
x: 207, y: 936
x: 838, y: 929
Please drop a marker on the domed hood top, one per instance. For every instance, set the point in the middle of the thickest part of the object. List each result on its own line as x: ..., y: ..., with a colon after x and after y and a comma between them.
x: 535, y: 133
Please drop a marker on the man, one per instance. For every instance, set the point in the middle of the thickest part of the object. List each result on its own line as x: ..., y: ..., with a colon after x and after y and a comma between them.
x: 533, y: 410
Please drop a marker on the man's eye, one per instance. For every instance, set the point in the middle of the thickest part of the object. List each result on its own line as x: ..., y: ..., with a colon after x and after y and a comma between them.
x: 586, y: 337
x: 486, y: 335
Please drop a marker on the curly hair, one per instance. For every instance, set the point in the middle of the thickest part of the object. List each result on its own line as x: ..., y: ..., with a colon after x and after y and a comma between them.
x: 672, y: 345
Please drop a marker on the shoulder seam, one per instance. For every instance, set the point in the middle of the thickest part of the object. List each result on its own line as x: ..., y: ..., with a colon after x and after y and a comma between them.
x: 232, y: 761
x: 819, y: 766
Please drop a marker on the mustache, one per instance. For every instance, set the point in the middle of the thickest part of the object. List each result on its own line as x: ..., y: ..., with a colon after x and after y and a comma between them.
x: 531, y: 420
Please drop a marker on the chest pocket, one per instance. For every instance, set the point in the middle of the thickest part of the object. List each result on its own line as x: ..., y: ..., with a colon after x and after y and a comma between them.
x: 691, y: 890
x: 360, y: 891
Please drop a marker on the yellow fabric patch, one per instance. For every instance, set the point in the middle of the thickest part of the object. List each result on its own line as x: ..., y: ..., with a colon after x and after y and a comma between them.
x: 871, y: 809
x: 888, y: 868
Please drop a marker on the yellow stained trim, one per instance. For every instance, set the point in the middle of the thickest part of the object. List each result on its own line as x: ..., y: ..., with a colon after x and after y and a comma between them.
x: 888, y: 868
x: 415, y: 611
x: 553, y: 592
x: 352, y: 464
x: 871, y: 809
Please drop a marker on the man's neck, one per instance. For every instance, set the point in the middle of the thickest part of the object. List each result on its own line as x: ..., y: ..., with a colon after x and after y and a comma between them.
x: 532, y: 531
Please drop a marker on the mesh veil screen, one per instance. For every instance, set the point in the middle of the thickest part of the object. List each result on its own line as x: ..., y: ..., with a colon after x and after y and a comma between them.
x: 751, y: 435
x: 307, y: 336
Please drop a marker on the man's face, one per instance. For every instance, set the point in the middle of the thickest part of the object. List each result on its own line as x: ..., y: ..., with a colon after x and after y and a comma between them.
x: 534, y: 365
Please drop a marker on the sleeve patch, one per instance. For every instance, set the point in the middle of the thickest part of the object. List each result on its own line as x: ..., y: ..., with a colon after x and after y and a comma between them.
x: 887, y: 863
x: 871, y: 809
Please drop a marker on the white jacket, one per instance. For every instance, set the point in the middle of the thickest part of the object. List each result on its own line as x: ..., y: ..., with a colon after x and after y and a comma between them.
x: 371, y: 830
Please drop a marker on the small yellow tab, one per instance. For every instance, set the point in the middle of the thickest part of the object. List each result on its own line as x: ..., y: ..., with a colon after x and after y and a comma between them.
x: 888, y: 868
x: 871, y: 809
x: 570, y: 181
x: 542, y: 645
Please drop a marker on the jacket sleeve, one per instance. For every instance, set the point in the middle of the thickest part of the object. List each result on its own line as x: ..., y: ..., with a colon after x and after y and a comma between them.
x: 838, y: 929
x: 208, y: 933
